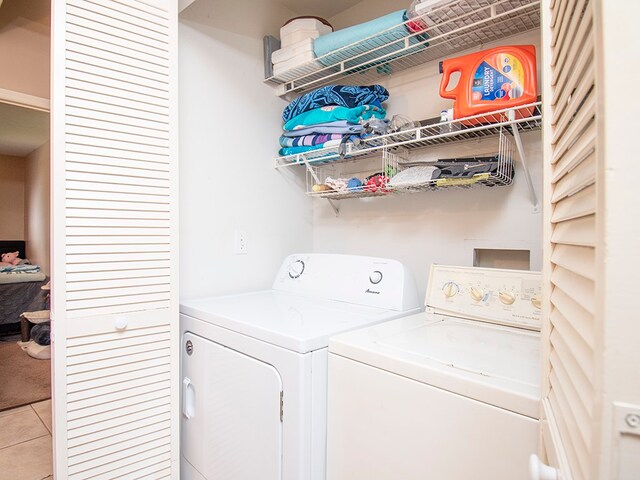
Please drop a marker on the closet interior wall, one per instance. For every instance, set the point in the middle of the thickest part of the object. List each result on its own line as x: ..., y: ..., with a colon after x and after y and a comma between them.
x: 229, y: 125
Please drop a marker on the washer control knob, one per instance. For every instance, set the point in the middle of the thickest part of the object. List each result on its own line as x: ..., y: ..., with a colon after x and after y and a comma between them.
x: 536, y: 301
x: 450, y: 289
x: 507, y: 298
x: 476, y: 293
x: 375, y: 277
x: 296, y: 269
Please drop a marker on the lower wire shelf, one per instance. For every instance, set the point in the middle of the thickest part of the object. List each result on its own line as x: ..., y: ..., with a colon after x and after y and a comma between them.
x: 397, y: 174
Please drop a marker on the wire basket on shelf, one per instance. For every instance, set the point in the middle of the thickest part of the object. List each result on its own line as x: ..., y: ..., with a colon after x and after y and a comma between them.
x: 395, y: 173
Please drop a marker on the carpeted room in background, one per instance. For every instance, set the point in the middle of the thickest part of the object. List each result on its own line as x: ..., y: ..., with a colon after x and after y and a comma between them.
x: 23, y: 380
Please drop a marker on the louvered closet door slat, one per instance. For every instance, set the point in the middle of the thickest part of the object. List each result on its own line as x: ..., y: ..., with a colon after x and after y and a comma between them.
x: 561, y: 20
x: 573, y: 31
x: 81, y: 53
x: 579, y: 178
x: 112, y: 20
x: 84, y: 96
x: 569, y: 35
x: 575, y: 343
x: 579, y: 205
x: 581, y: 232
x: 115, y: 312
x: 106, y: 48
x: 566, y: 429
x: 106, y: 119
x: 580, y: 260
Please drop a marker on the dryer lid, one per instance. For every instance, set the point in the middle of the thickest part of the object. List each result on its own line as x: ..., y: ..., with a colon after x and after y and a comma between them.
x: 292, y: 321
x: 490, y: 363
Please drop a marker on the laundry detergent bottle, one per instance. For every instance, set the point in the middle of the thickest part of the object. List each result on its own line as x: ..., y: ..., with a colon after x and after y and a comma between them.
x: 490, y: 80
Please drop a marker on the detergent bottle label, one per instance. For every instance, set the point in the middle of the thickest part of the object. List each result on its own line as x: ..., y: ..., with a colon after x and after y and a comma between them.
x: 498, y: 77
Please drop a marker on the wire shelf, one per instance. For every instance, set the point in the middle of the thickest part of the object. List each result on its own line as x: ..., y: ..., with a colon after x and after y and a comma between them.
x: 394, y: 162
x: 525, y: 118
x: 451, y: 28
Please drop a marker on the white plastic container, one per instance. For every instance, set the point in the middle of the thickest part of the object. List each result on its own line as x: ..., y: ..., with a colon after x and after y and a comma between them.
x: 301, y: 29
x: 282, y: 67
x: 298, y: 36
x: 299, y: 49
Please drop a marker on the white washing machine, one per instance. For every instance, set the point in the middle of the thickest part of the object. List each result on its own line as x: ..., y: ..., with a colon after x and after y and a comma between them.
x: 254, y: 366
x: 450, y: 394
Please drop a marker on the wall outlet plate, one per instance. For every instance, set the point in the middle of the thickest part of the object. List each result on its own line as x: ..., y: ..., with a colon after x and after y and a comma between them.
x: 240, y: 243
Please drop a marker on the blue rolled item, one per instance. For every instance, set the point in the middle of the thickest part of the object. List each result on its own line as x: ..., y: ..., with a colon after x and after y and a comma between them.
x: 387, y: 34
x: 343, y: 95
x: 354, y: 184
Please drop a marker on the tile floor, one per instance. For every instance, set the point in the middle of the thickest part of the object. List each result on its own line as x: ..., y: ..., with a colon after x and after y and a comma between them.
x: 25, y: 442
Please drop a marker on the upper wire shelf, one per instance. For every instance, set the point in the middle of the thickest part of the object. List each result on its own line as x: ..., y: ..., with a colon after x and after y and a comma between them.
x: 524, y: 118
x: 453, y: 27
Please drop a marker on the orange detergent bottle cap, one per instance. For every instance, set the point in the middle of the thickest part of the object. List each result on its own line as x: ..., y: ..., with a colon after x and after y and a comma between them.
x: 491, y: 80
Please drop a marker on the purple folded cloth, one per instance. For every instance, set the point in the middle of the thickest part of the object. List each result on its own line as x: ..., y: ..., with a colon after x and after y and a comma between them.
x: 337, y: 127
x: 309, y: 140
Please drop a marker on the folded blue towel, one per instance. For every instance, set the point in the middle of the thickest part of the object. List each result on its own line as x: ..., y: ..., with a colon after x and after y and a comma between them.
x: 343, y: 95
x: 387, y: 33
x: 332, y: 113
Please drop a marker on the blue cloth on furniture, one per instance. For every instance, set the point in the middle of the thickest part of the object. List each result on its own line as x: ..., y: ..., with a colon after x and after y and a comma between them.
x: 342, y: 95
x: 333, y: 113
x: 387, y: 34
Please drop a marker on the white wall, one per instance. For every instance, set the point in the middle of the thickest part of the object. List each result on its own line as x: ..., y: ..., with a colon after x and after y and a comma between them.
x: 12, y: 197
x: 229, y: 128
x: 230, y: 122
x: 443, y: 226
x: 37, y: 206
x: 25, y: 35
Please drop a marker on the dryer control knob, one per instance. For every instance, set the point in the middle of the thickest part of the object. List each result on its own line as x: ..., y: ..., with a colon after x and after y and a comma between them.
x: 536, y: 301
x: 507, y: 298
x: 296, y: 269
x: 476, y: 294
x: 450, y: 289
x: 375, y: 277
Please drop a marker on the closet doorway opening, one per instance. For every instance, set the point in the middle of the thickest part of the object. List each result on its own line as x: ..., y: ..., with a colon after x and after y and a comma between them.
x: 25, y: 352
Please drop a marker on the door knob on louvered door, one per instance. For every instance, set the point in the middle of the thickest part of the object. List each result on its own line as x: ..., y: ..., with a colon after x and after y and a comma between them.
x: 121, y: 323
x: 540, y: 471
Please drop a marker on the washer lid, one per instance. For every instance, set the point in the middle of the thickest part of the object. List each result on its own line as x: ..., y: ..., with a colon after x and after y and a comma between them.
x: 295, y: 322
x: 489, y: 363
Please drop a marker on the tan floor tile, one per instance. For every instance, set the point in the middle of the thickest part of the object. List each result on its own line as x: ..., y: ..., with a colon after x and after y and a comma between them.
x: 11, y: 411
x: 43, y: 409
x: 30, y: 460
x: 19, y: 427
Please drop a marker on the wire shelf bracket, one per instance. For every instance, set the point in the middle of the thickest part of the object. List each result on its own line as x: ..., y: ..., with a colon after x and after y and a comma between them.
x: 511, y: 115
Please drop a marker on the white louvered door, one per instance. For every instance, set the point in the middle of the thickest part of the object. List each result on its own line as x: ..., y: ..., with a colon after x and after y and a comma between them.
x: 570, y: 256
x: 114, y: 239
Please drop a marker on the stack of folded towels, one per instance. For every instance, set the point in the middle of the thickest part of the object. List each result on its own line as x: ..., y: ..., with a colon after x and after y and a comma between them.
x: 329, y: 116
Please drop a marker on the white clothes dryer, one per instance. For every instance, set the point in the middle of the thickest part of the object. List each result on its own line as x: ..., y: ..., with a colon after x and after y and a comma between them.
x: 254, y: 365
x: 451, y: 393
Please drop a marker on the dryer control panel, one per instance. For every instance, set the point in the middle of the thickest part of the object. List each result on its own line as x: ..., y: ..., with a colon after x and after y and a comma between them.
x: 376, y: 282
x: 507, y: 297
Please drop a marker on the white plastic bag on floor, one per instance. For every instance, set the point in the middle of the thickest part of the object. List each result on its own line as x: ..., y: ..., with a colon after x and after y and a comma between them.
x: 40, y: 352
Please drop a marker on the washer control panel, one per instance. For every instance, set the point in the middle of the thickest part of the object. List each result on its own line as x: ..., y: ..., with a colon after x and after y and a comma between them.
x: 508, y: 297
